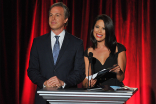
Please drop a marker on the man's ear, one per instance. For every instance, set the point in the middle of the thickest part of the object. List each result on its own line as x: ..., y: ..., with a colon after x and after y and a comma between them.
x: 65, y: 21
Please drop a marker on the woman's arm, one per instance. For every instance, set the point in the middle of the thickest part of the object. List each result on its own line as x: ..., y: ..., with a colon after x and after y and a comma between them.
x: 122, y: 64
x: 85, y: 81
x: 120, y: 68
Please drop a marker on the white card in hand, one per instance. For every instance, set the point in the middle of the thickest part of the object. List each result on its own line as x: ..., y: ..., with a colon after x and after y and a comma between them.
x: 94, y: 75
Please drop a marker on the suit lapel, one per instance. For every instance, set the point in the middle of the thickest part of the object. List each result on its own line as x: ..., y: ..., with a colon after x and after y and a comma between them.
x: 49, y: 50
x: 64, y: 47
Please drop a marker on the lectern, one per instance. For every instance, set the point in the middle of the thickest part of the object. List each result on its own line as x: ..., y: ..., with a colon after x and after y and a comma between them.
x: 85, y: 96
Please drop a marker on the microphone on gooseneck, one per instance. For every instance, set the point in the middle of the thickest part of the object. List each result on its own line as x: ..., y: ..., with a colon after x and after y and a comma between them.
x: 90, y: 57
x: 90, y: 61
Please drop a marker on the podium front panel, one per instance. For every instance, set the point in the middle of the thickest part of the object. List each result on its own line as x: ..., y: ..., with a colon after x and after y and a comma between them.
x: 77, y: 96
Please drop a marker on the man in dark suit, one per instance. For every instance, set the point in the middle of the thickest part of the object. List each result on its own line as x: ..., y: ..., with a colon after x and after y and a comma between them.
x: 56, y: 58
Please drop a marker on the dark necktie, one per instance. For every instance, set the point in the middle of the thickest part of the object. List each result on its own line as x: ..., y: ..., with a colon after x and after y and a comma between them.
x: 56, y: 49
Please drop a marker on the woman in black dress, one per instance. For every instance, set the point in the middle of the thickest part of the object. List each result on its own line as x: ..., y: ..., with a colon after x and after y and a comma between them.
x: 106, y: 53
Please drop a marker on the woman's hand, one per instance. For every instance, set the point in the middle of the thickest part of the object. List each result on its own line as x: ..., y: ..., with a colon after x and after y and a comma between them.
x: 116, y: 69
x: 92, y: 83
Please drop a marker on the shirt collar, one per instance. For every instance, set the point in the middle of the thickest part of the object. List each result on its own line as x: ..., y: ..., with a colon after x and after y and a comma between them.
x: 62, y: 34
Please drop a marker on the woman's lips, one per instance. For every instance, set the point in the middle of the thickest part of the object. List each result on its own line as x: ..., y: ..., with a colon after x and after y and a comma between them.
x: 99, y: 35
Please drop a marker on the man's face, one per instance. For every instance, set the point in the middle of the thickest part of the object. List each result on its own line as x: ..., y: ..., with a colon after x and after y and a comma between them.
x: 57, y: 18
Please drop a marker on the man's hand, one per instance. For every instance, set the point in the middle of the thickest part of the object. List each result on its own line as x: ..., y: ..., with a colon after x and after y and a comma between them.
x: 54, y: 82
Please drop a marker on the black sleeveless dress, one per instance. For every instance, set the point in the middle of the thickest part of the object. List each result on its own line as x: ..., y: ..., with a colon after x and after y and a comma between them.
x: 110, y: 78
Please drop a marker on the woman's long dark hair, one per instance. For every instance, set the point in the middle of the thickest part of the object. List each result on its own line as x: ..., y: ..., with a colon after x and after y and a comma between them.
x: 110, y: 39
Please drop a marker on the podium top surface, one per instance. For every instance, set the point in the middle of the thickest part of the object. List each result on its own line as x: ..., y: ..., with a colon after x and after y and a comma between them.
x: 86, y: 91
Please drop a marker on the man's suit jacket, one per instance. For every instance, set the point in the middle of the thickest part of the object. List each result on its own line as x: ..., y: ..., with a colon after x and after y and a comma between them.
x: 69, y: 67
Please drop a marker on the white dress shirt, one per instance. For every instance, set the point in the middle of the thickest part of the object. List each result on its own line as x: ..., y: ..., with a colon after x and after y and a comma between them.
x: 53, y: 39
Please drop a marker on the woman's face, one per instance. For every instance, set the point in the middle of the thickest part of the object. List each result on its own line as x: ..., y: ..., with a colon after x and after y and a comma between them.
x: 99, y: 31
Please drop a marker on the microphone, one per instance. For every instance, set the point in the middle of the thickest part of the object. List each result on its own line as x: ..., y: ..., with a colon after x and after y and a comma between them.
x: 90, y: 61
x: 90, y: 57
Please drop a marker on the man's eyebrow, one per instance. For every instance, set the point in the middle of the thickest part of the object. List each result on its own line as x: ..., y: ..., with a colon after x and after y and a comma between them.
x: 55, y: 13
x: 58, y: 13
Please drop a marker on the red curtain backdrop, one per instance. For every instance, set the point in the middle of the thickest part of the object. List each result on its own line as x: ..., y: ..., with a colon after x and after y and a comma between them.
x: 23, y: 20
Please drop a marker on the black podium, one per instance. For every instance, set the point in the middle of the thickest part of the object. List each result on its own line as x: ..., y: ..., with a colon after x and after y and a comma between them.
x: 85, y: 96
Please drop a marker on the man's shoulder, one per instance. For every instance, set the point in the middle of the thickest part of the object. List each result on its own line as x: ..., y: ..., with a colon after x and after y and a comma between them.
x: 73, y: 38
x: 43, y: 36
x: 41, y: 39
